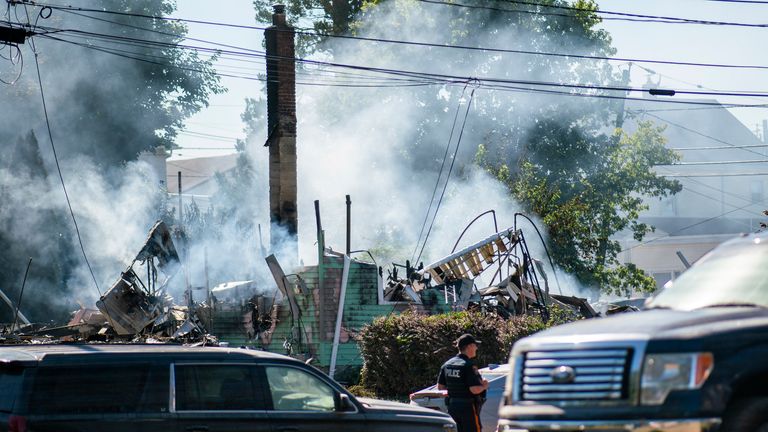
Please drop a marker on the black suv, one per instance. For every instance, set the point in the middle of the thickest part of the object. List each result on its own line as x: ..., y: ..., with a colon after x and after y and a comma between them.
x: 117, y: 388
x: 695, y: 360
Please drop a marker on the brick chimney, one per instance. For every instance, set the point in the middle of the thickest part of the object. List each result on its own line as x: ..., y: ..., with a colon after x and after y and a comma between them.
x: 281, y: 124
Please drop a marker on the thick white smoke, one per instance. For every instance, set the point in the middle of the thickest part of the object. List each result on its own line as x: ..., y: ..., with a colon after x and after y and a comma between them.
x: 383, y: 146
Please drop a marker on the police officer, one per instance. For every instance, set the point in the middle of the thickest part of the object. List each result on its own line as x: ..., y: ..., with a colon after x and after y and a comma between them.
x: 465, y: 386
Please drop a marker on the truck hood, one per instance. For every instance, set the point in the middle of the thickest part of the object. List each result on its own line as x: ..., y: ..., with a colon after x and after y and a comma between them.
x: 664, y: 323
x: 376, y: 405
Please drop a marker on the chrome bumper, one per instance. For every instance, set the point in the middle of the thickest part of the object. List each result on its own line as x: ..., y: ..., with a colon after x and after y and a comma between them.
x: 681, y: 425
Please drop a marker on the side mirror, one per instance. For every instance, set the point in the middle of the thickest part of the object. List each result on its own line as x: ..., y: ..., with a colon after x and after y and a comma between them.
x: 345, y: 403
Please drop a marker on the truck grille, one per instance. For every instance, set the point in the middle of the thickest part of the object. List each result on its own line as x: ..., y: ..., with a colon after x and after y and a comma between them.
x: 579, y: 375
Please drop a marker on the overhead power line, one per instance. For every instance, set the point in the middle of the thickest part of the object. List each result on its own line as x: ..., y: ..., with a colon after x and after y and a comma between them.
x: 72, y: 9
x: 58, y: 169
x: 723, y: 192
x: 428, y: 79
x: 735, y: 162
x: 651, y: 18
x: 719, y: 147
x: 741, y: 1
x: 613, y: 15
x: 726, y: 204
x: 687, y: 227
x: 413, y: 74
x: 693, y: 131
x: 702, y: 175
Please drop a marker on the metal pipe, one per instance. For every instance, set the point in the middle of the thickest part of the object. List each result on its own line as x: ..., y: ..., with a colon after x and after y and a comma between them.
x: 543, y: 243
x: 339, y: 316
x: 21, y: 293
x: 349, y: 225
x: 495, y: 226
x: 10, y: 304
x: 683, y: 259
x: 181, y: 219
x: 317, y: 217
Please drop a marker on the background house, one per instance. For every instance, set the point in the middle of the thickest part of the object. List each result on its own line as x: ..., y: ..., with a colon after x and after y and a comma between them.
x: 723, y: 172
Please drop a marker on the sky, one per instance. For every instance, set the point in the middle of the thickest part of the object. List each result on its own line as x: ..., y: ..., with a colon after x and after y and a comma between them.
x: 213, y: 131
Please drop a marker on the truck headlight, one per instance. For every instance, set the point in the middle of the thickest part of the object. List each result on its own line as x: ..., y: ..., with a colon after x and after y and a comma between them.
x: 663, y: 373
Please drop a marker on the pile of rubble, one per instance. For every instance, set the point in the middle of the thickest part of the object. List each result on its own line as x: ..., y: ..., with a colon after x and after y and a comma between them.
x: 519, y: 284
x: 134, y: 309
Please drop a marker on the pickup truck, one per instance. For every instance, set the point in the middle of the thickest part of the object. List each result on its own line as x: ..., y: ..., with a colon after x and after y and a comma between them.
x: 695, y: 359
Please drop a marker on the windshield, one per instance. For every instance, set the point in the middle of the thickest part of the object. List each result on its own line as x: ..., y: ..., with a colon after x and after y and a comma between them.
x: 733, y: 274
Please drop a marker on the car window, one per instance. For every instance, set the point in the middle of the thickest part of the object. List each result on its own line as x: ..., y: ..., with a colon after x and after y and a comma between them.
x: 218, y: 388
x: 10, y: 384
x: 293, y: 389
x: 96, y: 389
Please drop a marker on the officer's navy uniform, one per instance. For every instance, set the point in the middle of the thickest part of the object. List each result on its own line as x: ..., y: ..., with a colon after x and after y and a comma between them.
x: 458, y: 374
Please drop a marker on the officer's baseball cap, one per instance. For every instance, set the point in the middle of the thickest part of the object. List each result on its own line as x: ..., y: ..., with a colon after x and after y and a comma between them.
x: 465, y: 340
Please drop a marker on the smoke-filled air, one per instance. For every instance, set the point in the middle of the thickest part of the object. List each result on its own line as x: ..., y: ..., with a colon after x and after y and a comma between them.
x: 388, y: 141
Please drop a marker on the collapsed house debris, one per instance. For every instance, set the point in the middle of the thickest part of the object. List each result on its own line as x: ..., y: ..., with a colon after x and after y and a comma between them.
x: 522, y: 286
x: 134, y: 309
x: 315, y: 312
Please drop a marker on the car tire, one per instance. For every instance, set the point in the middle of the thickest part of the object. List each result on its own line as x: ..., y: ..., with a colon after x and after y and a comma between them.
x: 748, y: 414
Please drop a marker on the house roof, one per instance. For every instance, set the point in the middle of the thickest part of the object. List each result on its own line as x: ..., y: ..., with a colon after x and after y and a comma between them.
x: 197, y: 172
x: 691, y: 126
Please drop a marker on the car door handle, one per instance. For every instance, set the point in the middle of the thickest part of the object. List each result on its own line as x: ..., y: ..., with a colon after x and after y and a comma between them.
x: 197, y: 429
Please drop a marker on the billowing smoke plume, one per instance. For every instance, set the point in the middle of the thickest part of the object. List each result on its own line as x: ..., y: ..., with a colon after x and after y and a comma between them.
x: 106, y: 102
x: 383, y: 143
x: 384, y: 146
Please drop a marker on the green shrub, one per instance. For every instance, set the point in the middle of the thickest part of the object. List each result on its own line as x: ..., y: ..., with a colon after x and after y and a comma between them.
x: 403, y: 353
x: 361, y: 391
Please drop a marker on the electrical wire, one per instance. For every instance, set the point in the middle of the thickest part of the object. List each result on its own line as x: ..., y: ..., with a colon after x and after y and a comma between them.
x: 725, y: 204
x: 733, y: 162
x: 314, y: 82
x: 741, y: 1
x: 436, y: 78
x: 702, y: 175
x: 686, y: 228
x: 392, y: 41
x: 439, y: 174
x: 448, y: 176
x: 693, y: 131
x: 58, y: 169
x: 19, y: 59
x: 613, y: 15
x: 630, y: 17
x: 719, y: 147
x: 700, y: 183
x: 422, y: 75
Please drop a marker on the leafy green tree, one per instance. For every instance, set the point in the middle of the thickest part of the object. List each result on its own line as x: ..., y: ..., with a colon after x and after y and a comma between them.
x: 318, y: 17
x: 551, y: 146
x: 115, y: 84
x: 586, y: 202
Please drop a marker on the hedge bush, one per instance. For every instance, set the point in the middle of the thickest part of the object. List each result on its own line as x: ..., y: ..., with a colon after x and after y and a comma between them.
x: 403, y: 353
